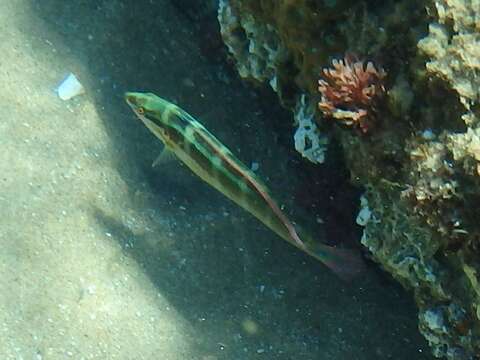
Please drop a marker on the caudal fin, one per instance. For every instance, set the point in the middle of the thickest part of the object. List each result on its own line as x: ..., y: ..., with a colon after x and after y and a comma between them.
x: 345, y: 263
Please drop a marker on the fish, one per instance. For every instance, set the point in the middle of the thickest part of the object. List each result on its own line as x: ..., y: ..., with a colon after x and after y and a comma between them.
x: 186, y: 138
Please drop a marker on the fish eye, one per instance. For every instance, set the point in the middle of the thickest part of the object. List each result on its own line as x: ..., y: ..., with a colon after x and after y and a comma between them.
x: 141, y: 110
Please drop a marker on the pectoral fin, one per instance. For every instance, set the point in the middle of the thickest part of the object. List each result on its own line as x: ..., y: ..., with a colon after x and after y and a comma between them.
x: 165, y: 157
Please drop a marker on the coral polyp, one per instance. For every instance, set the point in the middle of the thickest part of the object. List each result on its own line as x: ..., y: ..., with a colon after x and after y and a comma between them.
x: 350, y: 91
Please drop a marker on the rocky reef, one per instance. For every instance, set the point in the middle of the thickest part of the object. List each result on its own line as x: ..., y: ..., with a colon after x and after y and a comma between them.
x: 419, y: 163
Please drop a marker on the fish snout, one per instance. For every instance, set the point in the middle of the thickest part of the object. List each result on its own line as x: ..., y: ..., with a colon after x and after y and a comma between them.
x: 131, y: 99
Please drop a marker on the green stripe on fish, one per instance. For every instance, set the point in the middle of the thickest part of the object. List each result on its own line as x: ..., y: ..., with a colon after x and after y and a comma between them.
x: 214, y: 163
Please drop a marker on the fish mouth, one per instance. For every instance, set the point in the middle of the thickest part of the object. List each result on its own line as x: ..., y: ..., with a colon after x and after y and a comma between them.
x: 131, y: 99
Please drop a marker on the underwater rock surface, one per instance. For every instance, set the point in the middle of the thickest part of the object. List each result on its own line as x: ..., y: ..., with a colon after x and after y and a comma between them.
x: 419, y: 165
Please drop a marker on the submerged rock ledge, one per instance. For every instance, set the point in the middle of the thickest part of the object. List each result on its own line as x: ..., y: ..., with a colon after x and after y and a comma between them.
x: 419, y: 165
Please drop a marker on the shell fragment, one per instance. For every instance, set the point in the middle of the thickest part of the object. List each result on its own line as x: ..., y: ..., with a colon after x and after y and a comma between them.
x: 70, y: 87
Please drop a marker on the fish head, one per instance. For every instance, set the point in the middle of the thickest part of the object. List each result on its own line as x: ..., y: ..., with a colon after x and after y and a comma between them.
x: 160, y: 116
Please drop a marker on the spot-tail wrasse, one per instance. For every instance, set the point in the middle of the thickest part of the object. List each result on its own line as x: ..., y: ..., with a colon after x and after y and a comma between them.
x: 214, y: 163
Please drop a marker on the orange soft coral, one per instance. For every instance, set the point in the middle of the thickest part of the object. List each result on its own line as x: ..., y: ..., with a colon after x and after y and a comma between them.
x: 350, y: 91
